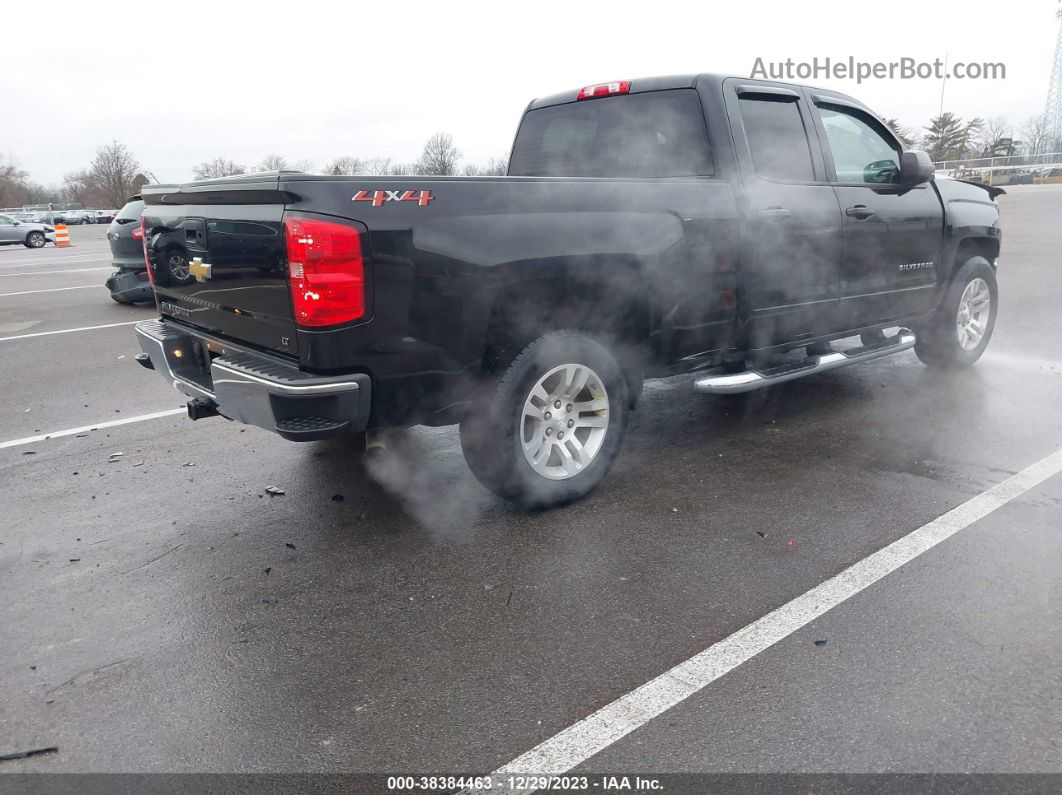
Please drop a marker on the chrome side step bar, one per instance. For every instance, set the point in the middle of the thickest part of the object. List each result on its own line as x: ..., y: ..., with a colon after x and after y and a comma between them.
x: 748, y: 380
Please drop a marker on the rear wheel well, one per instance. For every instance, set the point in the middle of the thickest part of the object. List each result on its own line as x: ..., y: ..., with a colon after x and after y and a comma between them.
x: 617, y: 314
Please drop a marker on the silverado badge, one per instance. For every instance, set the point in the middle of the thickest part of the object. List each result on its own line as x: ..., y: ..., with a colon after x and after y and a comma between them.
x: 199, y: 269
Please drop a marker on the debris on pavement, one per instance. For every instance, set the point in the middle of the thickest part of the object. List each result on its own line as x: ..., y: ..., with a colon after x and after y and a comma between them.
x: 289, y: 545
x: 820, y: 643
x: 761, y: 534
x: 188, y: 464
x: 274, y: 491
x: 267, y: 569
x: 269, y: 600
x: 52, y: 749
x: 337, y: 498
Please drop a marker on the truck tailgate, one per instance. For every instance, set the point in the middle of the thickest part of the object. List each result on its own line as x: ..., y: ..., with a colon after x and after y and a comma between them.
x: 219, y: 262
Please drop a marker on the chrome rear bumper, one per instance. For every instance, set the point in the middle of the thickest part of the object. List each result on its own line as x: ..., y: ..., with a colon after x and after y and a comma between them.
x: 255, y: 389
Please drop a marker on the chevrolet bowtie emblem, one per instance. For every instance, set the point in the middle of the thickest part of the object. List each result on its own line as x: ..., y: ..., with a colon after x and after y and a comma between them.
x: 199, y: 269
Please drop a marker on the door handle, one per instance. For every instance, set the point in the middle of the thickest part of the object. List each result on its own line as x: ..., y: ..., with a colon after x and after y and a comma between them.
x: 776, y: 214
x: 860, y: 211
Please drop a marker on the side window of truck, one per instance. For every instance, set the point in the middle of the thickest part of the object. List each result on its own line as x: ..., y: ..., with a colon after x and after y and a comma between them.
x: 860, y: 153
x: 777, y: 140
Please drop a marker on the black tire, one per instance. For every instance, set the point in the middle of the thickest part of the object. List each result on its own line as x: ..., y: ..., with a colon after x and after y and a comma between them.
x: 491, y: 433
x: 35, y: 240
x: 938, y: 338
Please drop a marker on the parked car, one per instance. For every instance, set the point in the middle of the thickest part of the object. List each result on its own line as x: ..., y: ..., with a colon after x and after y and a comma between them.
x: 129, y: 283
x: 723, y: 226
x: 105, y: 216
x: 31, y: 235
x: 68, y: 217
x: 1050, y: 175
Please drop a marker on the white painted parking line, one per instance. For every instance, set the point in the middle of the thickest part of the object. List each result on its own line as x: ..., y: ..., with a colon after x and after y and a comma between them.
x: 67, y: 330
x: 53, y: 290
x: 51, y: 273
x: 86, y: 428
x: 580, y: 741
x: 59, y: 261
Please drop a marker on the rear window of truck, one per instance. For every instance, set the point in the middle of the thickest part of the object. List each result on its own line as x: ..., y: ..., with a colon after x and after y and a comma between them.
x: 655, y: 134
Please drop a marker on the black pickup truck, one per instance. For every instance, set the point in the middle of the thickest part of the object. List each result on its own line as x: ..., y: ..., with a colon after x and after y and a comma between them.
x: 733, y: 228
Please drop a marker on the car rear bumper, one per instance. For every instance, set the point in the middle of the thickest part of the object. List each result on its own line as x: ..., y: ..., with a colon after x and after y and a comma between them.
x: 250, y: 387
x: 130, y: 286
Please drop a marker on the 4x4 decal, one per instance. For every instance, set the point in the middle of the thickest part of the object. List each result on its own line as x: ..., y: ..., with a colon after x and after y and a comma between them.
x: 378, y: 197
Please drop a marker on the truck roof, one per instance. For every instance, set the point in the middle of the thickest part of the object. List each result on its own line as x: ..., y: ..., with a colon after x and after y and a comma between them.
x: 640, y: 84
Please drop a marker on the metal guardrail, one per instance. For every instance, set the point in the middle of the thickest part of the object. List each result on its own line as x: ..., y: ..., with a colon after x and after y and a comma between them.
x: 1012, y: 169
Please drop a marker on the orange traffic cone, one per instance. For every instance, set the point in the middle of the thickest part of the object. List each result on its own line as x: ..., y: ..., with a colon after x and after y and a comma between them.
x: 62, y: 236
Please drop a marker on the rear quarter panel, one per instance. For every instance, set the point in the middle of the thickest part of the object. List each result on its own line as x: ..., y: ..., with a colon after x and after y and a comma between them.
x: 437, y: 269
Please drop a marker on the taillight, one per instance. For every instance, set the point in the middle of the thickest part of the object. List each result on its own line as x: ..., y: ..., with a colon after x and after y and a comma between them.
x: 604, y: 89
x: 143, y: 238
x: 326, y: 270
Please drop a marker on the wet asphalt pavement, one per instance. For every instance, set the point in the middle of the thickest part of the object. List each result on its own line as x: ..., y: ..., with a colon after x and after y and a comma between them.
x: 161, y: 612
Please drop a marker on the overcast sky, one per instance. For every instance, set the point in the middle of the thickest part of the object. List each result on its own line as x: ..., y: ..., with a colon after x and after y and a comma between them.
x: 184, y: 82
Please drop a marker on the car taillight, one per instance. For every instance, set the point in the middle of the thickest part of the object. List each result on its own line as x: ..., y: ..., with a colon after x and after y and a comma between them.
x: 604, y: 89
x: 143, y: 238
x: 326, y: 270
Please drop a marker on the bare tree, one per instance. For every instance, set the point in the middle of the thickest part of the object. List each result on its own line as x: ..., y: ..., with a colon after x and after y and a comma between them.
x: 218, y: 167
x: 36, y: 193
x: 345, y: 165
x: 12, y: 184
x: 273, y: 163
x: 113, y: 174
x: 496, y: 167
x: 440, y: 156
x: 995, y: 138
x: 377, y: 166
x: 81, y: 187
x: 1036, y: 134
x: 305, y: 165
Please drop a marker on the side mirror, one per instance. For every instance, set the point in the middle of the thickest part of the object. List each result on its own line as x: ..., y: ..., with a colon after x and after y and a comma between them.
x: 915, y: 168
